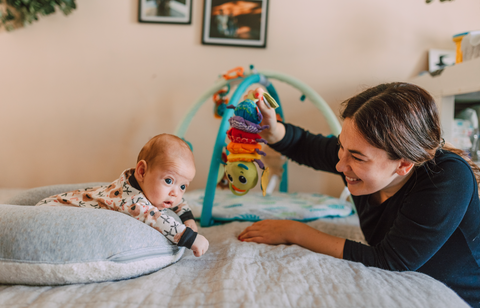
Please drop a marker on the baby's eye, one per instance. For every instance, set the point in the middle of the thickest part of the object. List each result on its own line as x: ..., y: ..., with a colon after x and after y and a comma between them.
x: 183, y: 187
x: 168, y: 181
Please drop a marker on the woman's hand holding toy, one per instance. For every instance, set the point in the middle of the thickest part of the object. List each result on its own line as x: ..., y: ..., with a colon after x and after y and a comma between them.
x: 276, y: 131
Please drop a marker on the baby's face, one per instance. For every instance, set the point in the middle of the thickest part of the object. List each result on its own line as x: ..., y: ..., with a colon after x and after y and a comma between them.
x: 164, y: 186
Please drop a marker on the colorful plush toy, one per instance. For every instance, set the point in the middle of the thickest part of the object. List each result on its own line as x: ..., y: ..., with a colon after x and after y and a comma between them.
x: 245, y: 148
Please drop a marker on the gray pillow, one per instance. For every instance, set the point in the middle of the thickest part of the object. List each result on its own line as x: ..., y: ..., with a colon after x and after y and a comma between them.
x: 55, y: 245
x: 32, y: 196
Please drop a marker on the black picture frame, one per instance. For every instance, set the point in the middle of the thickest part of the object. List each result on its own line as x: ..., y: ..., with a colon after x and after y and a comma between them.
x: 165, y: 11
x: 235, y: 23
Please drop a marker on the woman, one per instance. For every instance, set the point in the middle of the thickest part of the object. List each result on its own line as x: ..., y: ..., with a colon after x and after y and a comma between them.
x: 417, y: 199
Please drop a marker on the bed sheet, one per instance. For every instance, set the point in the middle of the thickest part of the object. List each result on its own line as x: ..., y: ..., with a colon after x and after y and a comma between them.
x: 239, y: 274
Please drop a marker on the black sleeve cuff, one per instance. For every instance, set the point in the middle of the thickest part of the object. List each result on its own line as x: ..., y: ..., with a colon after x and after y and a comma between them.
x: 188, y: 238
x: 186, y: 216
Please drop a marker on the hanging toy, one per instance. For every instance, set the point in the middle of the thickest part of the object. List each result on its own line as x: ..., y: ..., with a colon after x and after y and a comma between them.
x: 220, y: 100
x: 245, y: 148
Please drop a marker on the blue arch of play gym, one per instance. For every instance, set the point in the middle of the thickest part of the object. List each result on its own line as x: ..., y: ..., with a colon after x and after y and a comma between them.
x: 242, y: 84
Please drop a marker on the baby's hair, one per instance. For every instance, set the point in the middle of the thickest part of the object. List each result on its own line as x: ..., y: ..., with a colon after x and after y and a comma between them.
x: 164, y: 148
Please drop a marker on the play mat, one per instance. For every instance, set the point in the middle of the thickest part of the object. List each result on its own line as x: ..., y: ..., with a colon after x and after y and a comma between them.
x: 277, y: 205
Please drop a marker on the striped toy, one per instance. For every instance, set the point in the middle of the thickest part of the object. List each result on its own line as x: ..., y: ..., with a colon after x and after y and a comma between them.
x: 245, y: 147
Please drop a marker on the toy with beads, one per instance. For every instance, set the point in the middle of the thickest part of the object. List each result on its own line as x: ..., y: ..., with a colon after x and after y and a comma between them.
x: 245, y: 148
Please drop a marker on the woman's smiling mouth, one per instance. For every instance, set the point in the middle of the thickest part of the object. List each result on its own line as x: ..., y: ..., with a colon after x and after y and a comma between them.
x: 352, y: 180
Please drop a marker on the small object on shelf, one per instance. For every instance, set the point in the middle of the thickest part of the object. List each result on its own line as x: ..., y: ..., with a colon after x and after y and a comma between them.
x: 475, y: 150
x: 457, y: 38
x: 461, y: 132
x: 471, y: 46
x: 438, y: 59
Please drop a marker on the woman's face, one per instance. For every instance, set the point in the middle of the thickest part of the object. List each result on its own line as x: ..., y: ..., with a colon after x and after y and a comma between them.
x: 367, y: 169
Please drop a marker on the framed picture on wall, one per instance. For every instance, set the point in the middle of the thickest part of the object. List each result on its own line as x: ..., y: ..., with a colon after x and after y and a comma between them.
x: 165, y: 11
x: 235, y: 23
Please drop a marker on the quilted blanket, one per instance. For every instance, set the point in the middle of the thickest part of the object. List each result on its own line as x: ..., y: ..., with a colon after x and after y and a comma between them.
x: 239, y: 274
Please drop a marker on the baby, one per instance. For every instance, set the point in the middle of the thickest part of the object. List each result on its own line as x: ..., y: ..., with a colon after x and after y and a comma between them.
x: 165, y: 167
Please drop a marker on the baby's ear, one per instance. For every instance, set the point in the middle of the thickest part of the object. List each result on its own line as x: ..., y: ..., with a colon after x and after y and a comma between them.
x: 404, y: 167
x: 140, y: 170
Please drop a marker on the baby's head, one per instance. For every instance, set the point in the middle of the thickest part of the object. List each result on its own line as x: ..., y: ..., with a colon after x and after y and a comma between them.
x: 165, y: 168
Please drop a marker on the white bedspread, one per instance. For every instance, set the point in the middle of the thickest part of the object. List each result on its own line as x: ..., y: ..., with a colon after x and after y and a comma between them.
x: 238, y: 274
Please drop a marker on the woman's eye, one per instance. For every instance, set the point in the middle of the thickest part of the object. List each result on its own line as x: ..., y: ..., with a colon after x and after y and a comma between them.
x: 357, y: 159
x: 183, y: 187
x: 168, y: 181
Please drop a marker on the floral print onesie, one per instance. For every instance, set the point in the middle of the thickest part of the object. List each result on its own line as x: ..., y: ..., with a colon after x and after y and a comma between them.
x: 125, y: 195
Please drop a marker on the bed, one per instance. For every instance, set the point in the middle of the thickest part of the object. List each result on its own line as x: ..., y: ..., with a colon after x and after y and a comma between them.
x: 238, y: 274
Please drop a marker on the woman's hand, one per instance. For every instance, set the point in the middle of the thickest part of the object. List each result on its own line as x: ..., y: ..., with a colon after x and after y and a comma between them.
x: 276, y: 232
x: 276, y: 131
x: 271, y: 232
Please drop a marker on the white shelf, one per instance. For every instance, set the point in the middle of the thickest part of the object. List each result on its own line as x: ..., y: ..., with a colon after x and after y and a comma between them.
x: 460, y: 79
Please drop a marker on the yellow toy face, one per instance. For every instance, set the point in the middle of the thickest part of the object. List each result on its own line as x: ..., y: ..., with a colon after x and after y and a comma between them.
x: 242, y: 176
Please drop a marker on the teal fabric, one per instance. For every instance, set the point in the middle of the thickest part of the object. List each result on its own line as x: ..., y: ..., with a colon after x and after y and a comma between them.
x: 254, y: 206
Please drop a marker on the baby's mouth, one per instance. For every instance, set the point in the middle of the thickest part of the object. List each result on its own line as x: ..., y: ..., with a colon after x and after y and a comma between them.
x: 167, y: 204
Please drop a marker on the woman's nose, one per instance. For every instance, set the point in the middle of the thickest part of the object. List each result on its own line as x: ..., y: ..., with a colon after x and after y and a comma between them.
x: 342, y: 164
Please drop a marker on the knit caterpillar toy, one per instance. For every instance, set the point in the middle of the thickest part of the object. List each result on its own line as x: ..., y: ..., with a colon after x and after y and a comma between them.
x: 245, y: 147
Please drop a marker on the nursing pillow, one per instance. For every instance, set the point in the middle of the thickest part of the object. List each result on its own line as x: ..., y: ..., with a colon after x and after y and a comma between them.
x: 57, y: 245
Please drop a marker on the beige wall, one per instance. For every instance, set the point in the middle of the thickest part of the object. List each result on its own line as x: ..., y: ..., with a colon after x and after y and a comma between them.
x: 81, y: 94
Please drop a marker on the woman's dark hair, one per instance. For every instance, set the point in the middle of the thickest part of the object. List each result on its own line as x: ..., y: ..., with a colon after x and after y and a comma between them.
x: 401, y: 119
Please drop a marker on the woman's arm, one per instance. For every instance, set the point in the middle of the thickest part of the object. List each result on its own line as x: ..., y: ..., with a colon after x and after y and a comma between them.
x: 276, y: 232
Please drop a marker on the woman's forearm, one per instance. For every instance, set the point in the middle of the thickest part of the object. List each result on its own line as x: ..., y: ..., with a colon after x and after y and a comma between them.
x: 317, y: 241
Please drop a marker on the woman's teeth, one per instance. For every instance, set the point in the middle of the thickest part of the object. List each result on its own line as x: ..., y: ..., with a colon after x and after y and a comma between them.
x: 352, y: 179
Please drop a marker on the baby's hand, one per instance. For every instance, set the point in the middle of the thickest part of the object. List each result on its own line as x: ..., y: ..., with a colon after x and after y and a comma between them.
x: 191, y: 224
x: 200, y: 246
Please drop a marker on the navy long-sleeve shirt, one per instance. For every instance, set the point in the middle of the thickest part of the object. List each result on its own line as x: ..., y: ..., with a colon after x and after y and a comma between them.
x: 431, y: 225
